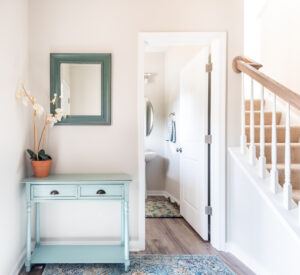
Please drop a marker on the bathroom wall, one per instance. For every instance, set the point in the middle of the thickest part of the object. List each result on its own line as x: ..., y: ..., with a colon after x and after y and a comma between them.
x: 15, y: 133
x: 175, y: 59
x: 112, y: 26
x: 155, y: 92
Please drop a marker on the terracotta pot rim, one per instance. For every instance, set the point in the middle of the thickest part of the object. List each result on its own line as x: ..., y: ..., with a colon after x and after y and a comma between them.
x: 41, y: 162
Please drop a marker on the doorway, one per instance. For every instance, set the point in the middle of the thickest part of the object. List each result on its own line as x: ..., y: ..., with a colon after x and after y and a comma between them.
x: 185, y: 143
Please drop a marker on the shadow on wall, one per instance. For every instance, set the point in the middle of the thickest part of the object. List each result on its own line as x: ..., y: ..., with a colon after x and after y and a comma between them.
x: 155, y: 173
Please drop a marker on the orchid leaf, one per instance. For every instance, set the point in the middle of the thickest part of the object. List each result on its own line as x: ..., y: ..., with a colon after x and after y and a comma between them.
x: 31, y: 154
x: 43, y: 155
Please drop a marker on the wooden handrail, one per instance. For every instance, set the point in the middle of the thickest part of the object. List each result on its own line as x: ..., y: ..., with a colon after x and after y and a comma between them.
x: 251, y: 68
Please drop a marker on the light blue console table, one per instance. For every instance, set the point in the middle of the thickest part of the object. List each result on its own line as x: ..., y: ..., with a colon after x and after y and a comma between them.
x: 83, y: 187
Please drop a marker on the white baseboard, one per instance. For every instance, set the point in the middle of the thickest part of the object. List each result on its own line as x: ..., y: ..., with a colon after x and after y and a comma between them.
x: 20, y: 262
x: 135, y: 246
x: 164, y: 194
x: 248, y: 260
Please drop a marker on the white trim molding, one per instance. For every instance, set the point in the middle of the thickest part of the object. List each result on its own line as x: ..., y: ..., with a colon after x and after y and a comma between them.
x: 218, y: 42
x: 20, y: 262
x: 247, y: 259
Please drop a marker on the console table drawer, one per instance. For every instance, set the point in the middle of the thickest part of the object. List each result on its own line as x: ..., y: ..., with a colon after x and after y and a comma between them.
x: 53, y: 192
x: 101, y: 191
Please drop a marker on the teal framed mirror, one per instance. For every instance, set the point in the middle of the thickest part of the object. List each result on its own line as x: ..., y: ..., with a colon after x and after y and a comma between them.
x: 80, y: 84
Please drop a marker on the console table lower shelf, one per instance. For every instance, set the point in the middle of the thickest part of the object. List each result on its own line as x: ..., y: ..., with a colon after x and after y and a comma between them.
x: 49, y: 254
x: 83, y: 187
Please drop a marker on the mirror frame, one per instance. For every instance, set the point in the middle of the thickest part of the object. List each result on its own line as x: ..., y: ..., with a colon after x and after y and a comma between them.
x: 56, y: 59
x: 148, y: 130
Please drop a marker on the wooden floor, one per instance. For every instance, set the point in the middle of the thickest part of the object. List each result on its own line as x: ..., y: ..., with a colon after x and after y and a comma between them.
x: 175, y: 236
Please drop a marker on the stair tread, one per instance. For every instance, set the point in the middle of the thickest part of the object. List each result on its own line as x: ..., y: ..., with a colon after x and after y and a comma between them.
x: 278, y: 144
x: 270, y: 126
x: 296, y: 194
x: 255, y: 99
x: 258, y: 111
x: 280, y: 166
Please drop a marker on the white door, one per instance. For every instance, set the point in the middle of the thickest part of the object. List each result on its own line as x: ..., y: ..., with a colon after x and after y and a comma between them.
x: 194, y: 155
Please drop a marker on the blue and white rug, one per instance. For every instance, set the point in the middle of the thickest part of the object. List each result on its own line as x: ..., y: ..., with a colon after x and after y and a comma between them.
x: 148, y: 265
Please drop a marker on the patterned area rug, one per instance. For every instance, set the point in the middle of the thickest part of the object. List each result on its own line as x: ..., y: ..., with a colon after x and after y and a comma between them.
x: 161, y: 209
x: 148, y: 265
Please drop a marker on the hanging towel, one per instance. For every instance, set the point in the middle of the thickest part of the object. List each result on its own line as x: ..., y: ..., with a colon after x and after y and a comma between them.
x: 171, y: 131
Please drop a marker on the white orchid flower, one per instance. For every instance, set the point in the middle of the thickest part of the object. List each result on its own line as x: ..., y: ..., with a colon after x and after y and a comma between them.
x: 51, y: 120
x: 54, y: 99
x: 38, y: 108
x: 25, y: 101
x: 60, y: 113
x: 58, y: 117
x: 19, y: 95
x: 59, y: 110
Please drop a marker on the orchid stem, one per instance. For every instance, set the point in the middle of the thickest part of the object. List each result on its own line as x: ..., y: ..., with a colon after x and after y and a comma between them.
x: 35, y: 136
x: 42, y: 134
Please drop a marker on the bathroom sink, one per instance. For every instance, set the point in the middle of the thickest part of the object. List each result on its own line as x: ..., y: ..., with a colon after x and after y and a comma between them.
x: 150, y: 155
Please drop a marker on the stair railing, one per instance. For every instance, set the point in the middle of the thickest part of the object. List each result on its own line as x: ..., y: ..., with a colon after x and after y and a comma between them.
x: 251, y: 68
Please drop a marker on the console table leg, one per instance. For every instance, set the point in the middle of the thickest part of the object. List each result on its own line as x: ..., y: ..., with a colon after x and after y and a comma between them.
x: 37, y: 223
x: 122, y: 222
x: 28, y: 240
x: 126, y: 267
x: 126, y: 244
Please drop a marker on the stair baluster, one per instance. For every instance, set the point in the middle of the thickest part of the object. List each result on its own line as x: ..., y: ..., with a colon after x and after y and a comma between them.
x: 299, y: 212
x: 252, y: 148
x: 243, y: 138
x: 287, y: 187
x: 262, y: 158
x: 274, y: 171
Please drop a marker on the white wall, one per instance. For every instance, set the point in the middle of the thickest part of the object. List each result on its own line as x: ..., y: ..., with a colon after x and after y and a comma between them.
x: 14, y: 132
x: 155, y: 92
x: 113, y: 26
x: 256, y: 233
x: 269, y: 38
x: 280, y: 23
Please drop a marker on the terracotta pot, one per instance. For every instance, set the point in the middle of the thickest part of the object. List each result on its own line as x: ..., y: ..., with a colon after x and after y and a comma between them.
x: 41, y: 168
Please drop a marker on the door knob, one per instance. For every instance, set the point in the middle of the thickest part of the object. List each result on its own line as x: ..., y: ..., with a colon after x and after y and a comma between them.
x: 179, y: 150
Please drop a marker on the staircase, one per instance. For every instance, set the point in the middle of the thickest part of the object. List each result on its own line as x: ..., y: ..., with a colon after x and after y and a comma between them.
x: 294, y: 138
x: 264, y: 174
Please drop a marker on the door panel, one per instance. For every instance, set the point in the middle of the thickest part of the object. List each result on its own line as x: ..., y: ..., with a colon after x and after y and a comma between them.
x: 194, y: 157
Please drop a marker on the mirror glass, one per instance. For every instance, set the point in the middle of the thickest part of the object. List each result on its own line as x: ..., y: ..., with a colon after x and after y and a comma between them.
x: 80, y: 86
x: 149, y: 117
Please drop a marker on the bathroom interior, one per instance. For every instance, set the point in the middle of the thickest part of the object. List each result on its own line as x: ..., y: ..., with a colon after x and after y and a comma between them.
x: 164, y: 124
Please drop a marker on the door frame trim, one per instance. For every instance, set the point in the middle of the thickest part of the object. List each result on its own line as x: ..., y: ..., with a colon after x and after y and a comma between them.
x: 218, y: 42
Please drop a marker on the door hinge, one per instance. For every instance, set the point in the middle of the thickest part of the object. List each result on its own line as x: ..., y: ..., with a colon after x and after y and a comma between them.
x: 208, y: 210
x: 209, y: 67
x: 208, y: 139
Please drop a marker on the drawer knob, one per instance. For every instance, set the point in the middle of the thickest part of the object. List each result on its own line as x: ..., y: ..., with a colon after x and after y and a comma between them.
x: 54, y: 192
x: 100, y: 192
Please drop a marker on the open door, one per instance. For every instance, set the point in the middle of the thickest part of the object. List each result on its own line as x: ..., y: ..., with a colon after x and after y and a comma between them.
x: 194, y: 150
